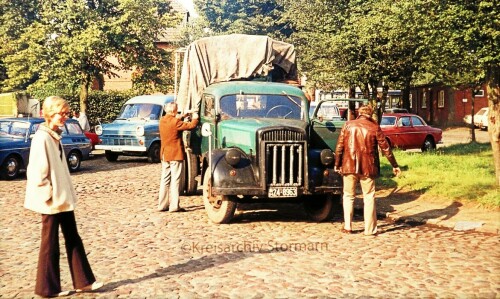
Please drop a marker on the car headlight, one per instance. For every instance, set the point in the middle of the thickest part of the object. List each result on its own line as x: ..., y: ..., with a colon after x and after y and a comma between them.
x: 233, y: 157
x: 98, y: 130
x: 327, y: 157
x: 139, y: 131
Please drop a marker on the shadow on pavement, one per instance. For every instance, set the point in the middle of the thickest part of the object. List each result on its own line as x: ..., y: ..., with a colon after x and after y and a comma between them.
x: 194, y: 265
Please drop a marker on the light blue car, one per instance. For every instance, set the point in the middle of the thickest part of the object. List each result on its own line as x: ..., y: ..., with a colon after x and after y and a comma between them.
x: 135, y: 132
x: 15, y: 143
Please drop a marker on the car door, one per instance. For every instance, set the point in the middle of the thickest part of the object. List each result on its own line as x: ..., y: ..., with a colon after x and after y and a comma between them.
x: 405, y: 132
x: 325, y: 130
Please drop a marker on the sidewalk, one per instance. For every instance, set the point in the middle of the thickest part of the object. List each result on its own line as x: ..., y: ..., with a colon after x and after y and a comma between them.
x: 407, y: 206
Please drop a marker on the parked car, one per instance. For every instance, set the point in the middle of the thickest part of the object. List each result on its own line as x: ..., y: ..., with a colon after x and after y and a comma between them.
x: 15, y: 143
x: 326, y: 110
x: 409, y: 131
x: 94, y: 139
x: 480, y: 119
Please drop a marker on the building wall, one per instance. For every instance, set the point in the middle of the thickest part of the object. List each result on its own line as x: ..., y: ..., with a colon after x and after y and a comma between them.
x: 445, y: 106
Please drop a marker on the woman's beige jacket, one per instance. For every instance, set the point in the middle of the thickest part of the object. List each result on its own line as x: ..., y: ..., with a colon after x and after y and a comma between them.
x: 49, y: 189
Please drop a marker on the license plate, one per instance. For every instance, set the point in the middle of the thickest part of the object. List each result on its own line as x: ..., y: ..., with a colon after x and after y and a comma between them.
x: 282, y: 192
x: 117, y: 149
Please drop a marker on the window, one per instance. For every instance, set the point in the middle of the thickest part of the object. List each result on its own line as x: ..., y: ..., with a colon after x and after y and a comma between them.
x: 404, y: 122
x: 424, y: 100
x: 417, y: 121
x: 209, y: 107
x: 411, y: 100
x: 441, y: 99
x: 479, y: 93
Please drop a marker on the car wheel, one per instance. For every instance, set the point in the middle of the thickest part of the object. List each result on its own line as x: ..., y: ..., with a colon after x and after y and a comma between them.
x: 318, y: 207
x: 74, y: 161
x: 154, y: 153
x: 10, y: 168
x: 429, y: 144
x: 220, y: 208
x: 110, y: 156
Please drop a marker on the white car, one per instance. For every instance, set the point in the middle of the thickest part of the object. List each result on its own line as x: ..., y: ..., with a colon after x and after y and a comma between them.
x: 480, y: 118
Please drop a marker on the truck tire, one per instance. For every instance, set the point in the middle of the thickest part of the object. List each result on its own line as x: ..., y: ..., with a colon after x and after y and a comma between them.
x: 191, y: 172
x: 154, y: 153
x: 318, y: 207
x: 110, y: 156
x: 220, y: 209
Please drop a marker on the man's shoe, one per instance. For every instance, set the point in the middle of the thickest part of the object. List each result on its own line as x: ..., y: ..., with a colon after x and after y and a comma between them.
x: 346, y: 231
x: 92, y: 287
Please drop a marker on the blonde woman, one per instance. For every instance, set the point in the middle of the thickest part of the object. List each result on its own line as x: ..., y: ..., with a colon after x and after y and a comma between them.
x: 49, y: 191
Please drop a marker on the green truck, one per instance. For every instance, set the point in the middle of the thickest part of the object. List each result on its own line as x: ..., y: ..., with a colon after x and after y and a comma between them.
x: 256, y: 140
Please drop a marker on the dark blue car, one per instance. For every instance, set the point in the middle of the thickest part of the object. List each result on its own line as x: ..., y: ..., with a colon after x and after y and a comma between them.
x: 15, y: 143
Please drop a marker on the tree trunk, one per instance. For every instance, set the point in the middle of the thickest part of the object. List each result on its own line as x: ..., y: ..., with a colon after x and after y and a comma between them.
x: 472, y: 128
x: 494, y: 123
x: 84, y: 93
x: 406, y: 94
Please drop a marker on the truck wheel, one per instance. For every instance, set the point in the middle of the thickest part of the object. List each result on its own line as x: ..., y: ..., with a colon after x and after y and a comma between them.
x: 74, y: 161
x: 154, y: 153
x: 318, y: 207
x: 10, y: 168
x: 220, y: 208
x: 110, y: 156
x: 191, y: 185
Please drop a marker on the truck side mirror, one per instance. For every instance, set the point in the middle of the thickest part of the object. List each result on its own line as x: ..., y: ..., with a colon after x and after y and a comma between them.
x: 205, y: 130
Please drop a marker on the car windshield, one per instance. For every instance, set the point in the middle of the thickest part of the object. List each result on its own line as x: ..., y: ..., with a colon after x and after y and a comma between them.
x: 14, y: 128
x: 261, y: 106
x: 328, y: 111
x: 140, y: 111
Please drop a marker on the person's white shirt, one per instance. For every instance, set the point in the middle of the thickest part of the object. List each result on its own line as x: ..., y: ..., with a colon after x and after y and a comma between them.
x: 84, y: 122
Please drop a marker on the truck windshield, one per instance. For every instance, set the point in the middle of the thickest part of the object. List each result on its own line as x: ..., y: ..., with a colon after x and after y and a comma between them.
x: 261, y: 106
x: 140, y: 111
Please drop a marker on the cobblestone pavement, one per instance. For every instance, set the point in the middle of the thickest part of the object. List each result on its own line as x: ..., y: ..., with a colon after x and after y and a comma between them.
x: 269, y: 251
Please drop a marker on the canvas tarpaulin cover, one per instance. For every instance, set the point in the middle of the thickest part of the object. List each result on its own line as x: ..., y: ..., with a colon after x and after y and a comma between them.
x: 229, y: 57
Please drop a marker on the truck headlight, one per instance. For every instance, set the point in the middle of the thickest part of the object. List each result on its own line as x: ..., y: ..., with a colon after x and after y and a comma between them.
x: 233, y: 157
x: 98, y: 130
x: 327, y: 157
x: 139, y: 131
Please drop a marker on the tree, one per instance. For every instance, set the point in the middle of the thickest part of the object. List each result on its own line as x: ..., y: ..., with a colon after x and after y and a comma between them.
x: 260, y: 17
x: 468, y: 55
x: 68, y: 43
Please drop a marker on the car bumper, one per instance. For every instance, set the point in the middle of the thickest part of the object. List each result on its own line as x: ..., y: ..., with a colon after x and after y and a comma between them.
x: 121, y: 148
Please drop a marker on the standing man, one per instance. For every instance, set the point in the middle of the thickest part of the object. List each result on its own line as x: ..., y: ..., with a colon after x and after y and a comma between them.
x: 172, y: 155
x: 357, y: 159
x: 82, y: 119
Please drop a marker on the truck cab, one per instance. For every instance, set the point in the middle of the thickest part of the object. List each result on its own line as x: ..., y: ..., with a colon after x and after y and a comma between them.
x: 135, y: 131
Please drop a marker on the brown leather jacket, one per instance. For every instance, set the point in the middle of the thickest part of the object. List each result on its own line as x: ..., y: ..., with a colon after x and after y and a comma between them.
x: 171, y: 129
x: 357, y: 148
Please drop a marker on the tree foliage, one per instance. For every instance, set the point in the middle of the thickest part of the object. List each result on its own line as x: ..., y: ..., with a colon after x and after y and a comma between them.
x: 68, y: 44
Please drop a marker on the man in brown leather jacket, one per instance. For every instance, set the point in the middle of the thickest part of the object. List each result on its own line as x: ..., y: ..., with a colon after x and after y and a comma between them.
x: 172, y: 154
x: 357, y: 159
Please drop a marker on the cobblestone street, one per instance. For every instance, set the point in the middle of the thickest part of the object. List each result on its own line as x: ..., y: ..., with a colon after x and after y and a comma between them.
x: 268, y: 251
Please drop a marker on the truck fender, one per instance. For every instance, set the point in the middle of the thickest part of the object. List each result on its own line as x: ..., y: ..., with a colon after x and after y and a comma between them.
x: 221, y: 170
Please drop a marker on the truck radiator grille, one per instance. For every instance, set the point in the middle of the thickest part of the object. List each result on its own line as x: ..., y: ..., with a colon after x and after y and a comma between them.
x: 284, y: 164
x: 282, y: 135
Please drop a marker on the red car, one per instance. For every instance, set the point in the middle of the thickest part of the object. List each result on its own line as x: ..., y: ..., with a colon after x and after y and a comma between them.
x: 94, y: 139
x: 409, y: 131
